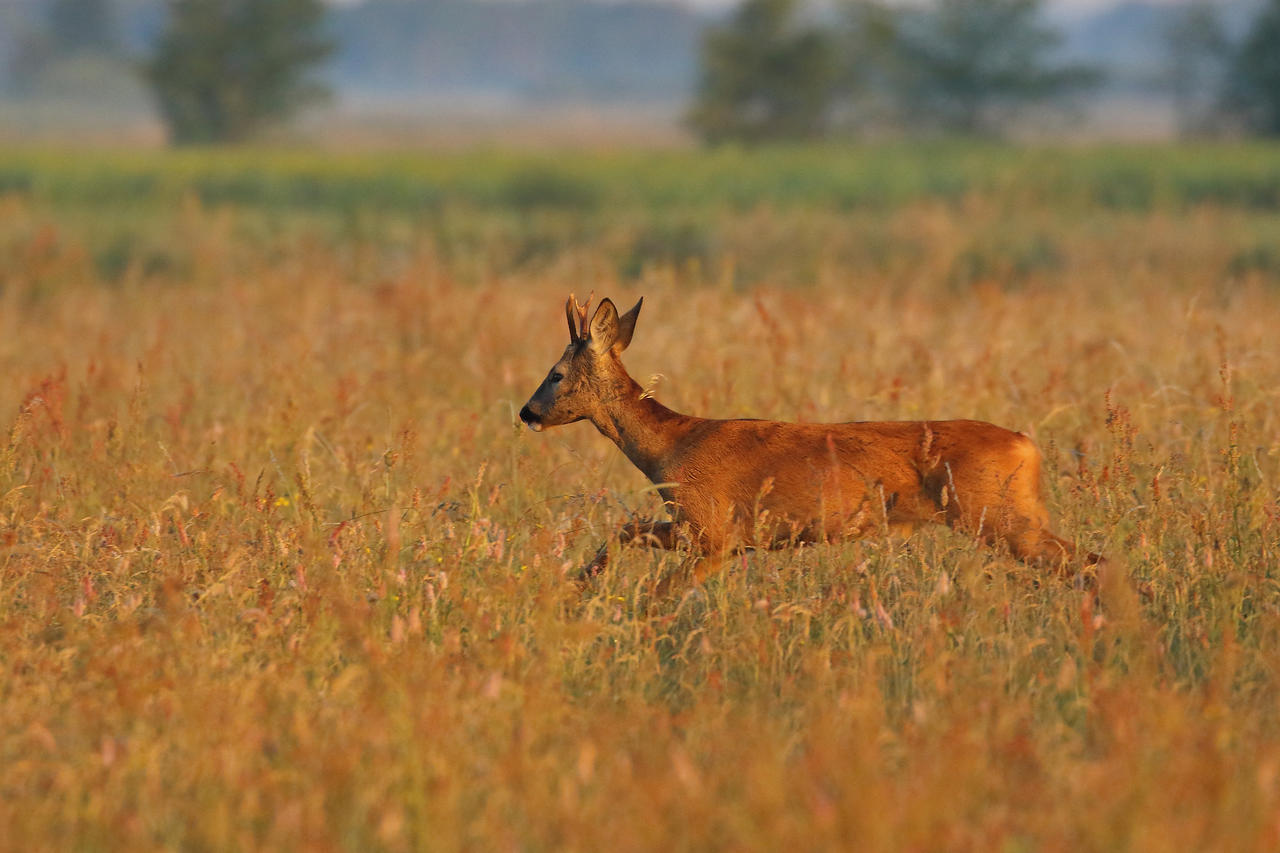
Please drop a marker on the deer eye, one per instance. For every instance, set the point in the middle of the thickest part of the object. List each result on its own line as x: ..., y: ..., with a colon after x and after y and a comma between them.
x: 556, y: 376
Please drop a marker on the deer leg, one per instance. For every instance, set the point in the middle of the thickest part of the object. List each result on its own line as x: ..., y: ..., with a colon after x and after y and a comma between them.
x: 1039, y: 546
x: 1108, y: 579
x: 656, y: 534
x: 691, y: 575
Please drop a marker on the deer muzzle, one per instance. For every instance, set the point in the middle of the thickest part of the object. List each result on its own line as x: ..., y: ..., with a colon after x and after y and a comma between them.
x: 530, y: 419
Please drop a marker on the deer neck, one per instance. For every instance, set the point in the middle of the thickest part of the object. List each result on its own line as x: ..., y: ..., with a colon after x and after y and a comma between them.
x: 646, y: 431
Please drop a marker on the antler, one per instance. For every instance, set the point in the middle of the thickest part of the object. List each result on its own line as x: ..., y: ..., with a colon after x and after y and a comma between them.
x: 571, y: 307
x: 568, y: 315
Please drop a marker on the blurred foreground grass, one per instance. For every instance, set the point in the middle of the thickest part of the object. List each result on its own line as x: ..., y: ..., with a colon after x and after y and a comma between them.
x: 278, y: 570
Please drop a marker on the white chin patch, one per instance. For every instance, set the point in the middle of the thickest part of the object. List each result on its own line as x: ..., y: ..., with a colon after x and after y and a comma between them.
x: 536, y: 426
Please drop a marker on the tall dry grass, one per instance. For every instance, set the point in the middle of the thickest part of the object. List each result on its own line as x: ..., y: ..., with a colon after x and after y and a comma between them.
x: 278, y: 570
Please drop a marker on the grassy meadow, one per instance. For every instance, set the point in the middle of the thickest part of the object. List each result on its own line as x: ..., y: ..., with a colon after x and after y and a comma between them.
x: 278, y: 570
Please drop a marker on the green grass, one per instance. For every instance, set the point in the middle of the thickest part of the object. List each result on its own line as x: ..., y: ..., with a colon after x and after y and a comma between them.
x: 728, y: 215
x: 1139, y: 178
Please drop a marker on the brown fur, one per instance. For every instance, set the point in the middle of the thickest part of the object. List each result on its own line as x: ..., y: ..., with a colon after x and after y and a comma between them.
x: 733, y: 484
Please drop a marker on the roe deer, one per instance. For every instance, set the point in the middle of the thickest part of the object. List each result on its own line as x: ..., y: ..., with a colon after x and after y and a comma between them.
x: 736, y: 484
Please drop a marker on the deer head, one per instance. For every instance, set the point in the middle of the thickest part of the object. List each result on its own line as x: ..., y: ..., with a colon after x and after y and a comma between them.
x: 590, y: 372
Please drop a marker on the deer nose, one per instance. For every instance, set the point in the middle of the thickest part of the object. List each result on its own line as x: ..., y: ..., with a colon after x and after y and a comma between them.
x: 534, y: 421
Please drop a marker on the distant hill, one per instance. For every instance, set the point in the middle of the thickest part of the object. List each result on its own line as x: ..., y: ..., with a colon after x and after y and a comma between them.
x: 557, y: 49
x: 549, y: 49
x: 1129, y: 39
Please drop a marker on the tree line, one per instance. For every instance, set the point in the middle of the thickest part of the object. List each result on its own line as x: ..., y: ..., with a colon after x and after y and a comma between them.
x: 960, y: 67
x: 774, y: 70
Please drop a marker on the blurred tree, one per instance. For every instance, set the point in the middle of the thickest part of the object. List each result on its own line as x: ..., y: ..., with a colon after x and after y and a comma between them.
x: 78, y: 26
x: 764, y: 76
x: 1253, y: 85
x: 868, y: 59
x: 1199, y: 56
x: 969, y: 66
x: 223, y: 68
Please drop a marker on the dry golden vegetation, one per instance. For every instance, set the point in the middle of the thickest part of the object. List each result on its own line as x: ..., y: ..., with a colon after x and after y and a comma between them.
x: 278, y: 570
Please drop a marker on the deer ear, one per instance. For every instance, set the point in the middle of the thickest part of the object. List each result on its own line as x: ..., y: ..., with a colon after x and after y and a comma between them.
x: 604, y: 327
x: 627, y: 326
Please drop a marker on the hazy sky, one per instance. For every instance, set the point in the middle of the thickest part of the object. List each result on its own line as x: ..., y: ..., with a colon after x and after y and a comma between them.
x: 1061, y: 5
